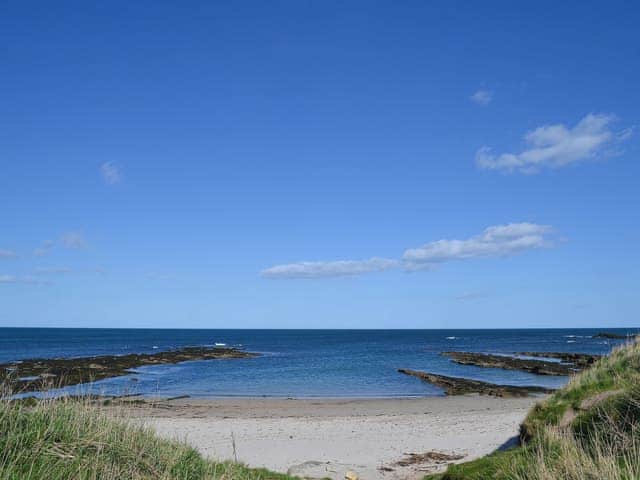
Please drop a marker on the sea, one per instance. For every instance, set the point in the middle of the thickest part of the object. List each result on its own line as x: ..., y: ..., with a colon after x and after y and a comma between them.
x: 300, y: 363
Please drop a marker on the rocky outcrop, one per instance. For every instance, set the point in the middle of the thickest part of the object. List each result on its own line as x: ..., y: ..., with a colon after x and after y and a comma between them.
x: 463, y: 386
x: 539, y: 367
x: 45, y: 373
x: 579, y: 360
x: 615, y: 336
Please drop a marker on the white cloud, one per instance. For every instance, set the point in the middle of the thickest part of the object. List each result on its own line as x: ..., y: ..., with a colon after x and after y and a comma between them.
x: 337, y: 268
x: 110, y: 173
x: 28, y: 279
x: 466, y: 296
x: 44, y: 249
x: 557, y: 146
x: 33, y: 280
x: 7, y: 253
x: 161, y: 276
x: 482, y: 97
x: 495, y: 241
x: 52, y: 270
x: 73, y: 240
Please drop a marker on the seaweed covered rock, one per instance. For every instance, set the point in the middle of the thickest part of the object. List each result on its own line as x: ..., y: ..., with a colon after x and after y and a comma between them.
x: 538, y: 367
x: 463, y: 386
x: 44, y: 373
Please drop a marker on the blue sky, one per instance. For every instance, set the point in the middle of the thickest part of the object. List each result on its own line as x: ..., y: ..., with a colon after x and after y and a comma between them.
x: 319, y: 164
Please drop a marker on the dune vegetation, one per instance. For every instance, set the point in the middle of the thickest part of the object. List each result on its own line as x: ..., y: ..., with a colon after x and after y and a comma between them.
x: 73, y: 439
x: 588, y: 430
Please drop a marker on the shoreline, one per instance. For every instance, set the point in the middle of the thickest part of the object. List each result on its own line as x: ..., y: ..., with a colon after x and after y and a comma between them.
x: 326, y: 437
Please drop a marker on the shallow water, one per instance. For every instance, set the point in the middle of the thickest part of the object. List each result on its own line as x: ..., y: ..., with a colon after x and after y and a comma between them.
x: 302, y: 363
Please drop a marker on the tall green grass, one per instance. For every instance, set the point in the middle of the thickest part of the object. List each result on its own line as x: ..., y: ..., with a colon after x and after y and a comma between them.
x: 588, y: 430
x: 74, y: 440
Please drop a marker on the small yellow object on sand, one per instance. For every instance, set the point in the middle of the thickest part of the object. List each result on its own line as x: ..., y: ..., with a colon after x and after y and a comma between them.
x: 351, y: 476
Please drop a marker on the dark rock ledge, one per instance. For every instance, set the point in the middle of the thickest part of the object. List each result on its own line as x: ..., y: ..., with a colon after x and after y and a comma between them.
x: 539, y: 367
x: 463, y: 386
x: 579, y: 360
x: 615, y: 336
x: 44, y: 373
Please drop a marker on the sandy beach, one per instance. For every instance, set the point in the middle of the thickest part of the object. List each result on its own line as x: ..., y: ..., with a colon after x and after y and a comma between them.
x: 325, y: 438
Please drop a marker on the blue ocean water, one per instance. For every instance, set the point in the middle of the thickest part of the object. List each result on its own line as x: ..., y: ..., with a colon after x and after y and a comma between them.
x: 301, y: 363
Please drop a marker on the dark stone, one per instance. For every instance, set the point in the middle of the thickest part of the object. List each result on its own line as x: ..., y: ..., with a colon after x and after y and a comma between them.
x: 615, y: 336
x: 579, y: 360
x: 539, y: 367
x: 463, y: 386
x: 432, y: 457
x: 44, y: 373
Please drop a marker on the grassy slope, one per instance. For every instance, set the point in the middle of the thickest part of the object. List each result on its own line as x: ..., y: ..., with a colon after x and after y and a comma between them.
x: 588, y: 430
x: 60, y: 440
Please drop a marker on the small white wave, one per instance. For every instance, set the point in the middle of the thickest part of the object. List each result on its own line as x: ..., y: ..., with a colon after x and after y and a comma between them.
x: 451, y: 338
x: 155, y: 347
x: 219, y: 344
x: 571, y: 341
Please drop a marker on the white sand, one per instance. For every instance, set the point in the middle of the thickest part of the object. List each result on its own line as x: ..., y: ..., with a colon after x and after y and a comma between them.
x: 327, y: 437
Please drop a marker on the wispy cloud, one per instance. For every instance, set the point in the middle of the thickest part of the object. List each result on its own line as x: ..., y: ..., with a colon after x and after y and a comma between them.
x: 336, y: 268
x: 110, y: 173
x: 33, y: 280
x: 467, y: 296
x: 52, y: 270
x: 7, y: 253
x: 161, y: 276
x: 555, y: 146
x: 26, y: 279
x: 494, y: 241
x: 44, y: 249
x: 482, y: 97
x: 73, y: 240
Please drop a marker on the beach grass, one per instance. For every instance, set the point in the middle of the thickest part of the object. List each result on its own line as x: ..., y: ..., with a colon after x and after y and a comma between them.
x: 74, y: 439
x: 590, y: 429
